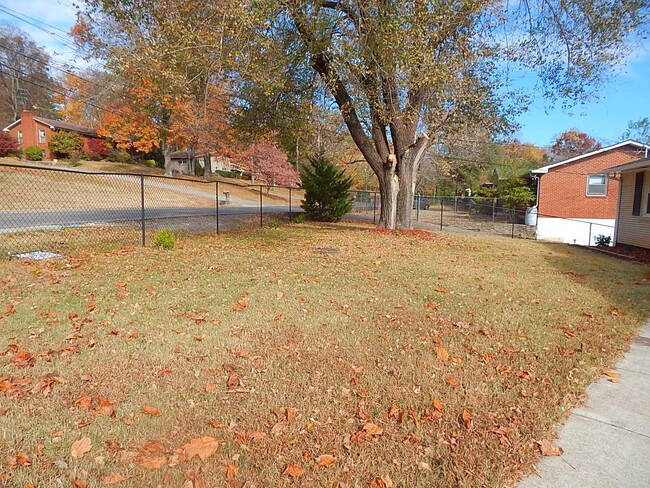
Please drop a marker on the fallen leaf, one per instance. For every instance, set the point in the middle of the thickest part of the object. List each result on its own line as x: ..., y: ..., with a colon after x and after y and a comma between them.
x: 453, y: 382
x: 149, y: 410
x: 547, y: 448
x: 256, y: 436
x: 203, y: 447
x: 81, y: 447
x: 611, y: 374
x: 150, y: 462
x: 372, y: 429
x: 325, y: 460
x: 240, y: 305
x: 79, y: 483
x: 10, y: 309
x: 293, y: 470
x: 231, y: 471
x: 467, y: 419
x: 210, y: 387
x: 216, y: 424
x: 437, y: 405
x: 114, y: 478
x: 442, y: 353
x: 233, y: 380
x: 381, y: 482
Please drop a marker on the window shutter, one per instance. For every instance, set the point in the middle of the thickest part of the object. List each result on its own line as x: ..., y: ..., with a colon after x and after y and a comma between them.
x: 638, y: 194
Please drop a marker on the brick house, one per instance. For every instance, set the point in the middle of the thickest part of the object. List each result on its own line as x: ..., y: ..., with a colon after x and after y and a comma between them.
x: 33, y: 130
x: 633, y: 209
x: 576, y: 201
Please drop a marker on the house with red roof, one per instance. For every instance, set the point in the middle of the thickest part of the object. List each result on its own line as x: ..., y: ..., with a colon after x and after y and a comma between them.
x: 576, y: 200
x: 33, y: 130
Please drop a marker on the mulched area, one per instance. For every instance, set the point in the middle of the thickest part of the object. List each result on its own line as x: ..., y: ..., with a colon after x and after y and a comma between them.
x: 637, y: 254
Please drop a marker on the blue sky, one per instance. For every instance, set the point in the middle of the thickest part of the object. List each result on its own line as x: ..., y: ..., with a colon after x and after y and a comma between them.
x: 626, y: 97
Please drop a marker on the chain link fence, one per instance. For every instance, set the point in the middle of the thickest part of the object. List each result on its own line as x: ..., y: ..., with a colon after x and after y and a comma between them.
x: 48, y: 209
x: 56, y: 210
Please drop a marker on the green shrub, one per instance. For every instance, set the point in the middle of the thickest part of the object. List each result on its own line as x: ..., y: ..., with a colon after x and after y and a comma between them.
x: 65, y: 143
x: 34, y: 153
x: 164, y: 238
x: 150, y: 162
x: 602, y: 240
x: 300, y: 219
x: 327, y: 190
x: 120, y: 157
x: 93, y: 156
x: 273, y: 223
x: 198, y: 169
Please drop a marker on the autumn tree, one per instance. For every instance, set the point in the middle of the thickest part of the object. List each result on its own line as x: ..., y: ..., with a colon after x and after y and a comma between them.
x: 84, y: 95
x: 573, y: 143
x: 638, y: 130
x: 269, y: 163
x: 166, y: 64
x: 406, y: 74
x: 25, y: 82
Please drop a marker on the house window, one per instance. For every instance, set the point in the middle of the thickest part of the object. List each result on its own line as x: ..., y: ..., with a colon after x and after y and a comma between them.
x: 596, y: 185
x: 638, y: 193
x: 41, y: 136
x: 19, y: 136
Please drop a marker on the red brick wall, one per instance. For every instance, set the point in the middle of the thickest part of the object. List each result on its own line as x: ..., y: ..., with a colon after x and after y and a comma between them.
x: 563, y: 190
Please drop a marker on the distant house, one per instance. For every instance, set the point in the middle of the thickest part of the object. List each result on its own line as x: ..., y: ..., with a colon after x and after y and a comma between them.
x: 33, y: 130
x: 181, y: 163
x: 633, y: 209
x: 575, y: 199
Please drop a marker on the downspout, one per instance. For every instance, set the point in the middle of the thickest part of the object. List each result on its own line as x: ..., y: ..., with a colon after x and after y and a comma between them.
x: 618, y: 207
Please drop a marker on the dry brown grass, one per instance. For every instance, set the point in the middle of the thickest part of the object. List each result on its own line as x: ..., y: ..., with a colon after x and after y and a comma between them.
x: 30, y: 189
x: 290, y: 341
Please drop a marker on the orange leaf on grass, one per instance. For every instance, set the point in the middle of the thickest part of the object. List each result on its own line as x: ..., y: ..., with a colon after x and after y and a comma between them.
x: 240, y: 305
x: 293, y: 470
x: 149, y: 410
x: 76, y: 483
x: 10, y: 309
x: 203, y: 447
x: 114, y: 478
x: 325, y: 460
x: 372, y: 429
x: 442, y: 353
x: 437, y: 405
x: 467, y: 419
x: 150, y: 462
x: 233, y: 380
x: 452, y: 381
x: 231, y: 471
x: 81, y: 447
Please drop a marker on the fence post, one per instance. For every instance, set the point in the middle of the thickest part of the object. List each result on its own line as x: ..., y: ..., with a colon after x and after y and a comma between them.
x: 217, y: 208
x: 442, y: 206
x: 514, y: 216
x: 417, y: 211
x: 589, y: 241
x: 455, y: 204
x: 142, y: 220
x: 261, y: 208
x: 290, y: 217
x: 494, y: 209
x: 374, y: 208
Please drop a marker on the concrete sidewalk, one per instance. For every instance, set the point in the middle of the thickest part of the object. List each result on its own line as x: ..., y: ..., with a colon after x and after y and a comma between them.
x: 607, y: 442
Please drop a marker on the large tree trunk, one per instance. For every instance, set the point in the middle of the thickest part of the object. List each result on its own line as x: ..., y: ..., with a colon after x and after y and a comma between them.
x: 207, y: 170
x: 167, y: 155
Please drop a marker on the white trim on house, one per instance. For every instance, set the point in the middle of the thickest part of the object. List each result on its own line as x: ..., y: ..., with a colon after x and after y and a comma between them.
x: 6, y: 129
x: 544, y: 169
x: 628, y: 167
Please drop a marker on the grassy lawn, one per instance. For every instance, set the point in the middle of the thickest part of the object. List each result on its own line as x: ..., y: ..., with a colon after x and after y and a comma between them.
x: 304, y: 356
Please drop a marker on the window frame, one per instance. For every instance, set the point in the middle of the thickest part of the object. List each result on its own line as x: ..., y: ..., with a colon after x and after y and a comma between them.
x: 19, y: 136
x: 42, y: 136
x: 604, y: 194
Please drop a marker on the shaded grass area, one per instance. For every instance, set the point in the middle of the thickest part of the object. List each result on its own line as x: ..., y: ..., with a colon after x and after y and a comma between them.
x: 425, y: 359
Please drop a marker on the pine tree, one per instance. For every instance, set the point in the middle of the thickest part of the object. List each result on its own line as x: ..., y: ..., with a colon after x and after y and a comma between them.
x: 327, y: 197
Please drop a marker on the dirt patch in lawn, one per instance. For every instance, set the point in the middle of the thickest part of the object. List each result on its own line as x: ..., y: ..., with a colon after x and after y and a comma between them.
x: 250, y: 358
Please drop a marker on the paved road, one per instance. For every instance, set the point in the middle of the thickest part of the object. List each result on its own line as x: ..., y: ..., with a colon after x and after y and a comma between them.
x: 20, y: 221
